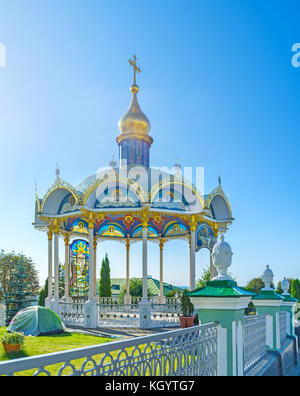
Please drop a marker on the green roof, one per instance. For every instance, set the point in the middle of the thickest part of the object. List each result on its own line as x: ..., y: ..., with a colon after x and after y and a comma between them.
x: 289, y: 298
x: 220, y: 289
x: 117, y: 284
x: 268, y: 295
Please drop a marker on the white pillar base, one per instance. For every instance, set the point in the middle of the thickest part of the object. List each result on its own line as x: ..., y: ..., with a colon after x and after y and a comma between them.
x: 127, y: 299
x: 90, y: 310
x: 145, y: 314
x: 55, y: 306
x: 48, y: 302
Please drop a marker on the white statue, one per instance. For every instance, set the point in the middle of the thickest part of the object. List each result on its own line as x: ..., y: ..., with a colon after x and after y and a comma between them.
x: 267, y: 278
x: 222, y: 257
x: 285, y: 285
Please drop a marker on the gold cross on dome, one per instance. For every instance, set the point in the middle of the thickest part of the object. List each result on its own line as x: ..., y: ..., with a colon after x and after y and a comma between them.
x: 135, y: 67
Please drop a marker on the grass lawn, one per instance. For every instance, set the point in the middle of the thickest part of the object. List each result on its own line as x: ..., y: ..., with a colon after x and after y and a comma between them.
x: 60, y: 342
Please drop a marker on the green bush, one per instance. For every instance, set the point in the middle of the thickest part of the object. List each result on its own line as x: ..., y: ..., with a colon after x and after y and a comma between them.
x: 13, y: 338
x: 187, y: 308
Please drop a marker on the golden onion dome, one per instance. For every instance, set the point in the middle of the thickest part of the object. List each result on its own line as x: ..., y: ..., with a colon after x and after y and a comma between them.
x: 134, y: 121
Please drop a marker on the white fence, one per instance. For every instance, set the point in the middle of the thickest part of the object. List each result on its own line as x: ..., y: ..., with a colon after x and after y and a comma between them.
x: 72, y: 314
x: 113, y: 314
x: 283, y: 324
x: 255, y: 339
x: 187, y: 352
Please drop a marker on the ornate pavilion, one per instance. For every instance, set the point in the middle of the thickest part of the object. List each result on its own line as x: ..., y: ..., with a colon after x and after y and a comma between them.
x: 128, y: 203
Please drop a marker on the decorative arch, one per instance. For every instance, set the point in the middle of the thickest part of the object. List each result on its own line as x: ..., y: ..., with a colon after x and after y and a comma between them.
x: 113, y: 230
x: 175, y: 228
x: 138, y: 232
x: 218, y: 192
x: 175, y: 189
x: 55, y: 195
x: 108, y: 182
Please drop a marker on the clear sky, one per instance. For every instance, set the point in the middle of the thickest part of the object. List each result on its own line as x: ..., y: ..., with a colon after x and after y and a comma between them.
x: 217, y: 84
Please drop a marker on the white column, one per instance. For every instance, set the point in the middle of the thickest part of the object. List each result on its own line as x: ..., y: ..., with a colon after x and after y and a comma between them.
x: 50, y: 276
x: 56, y: 266
x: 160, y: 298
x: 67, y: 269
x: 95, y: 266
x: 145, y: 263
x: 91, y: 262
x: 127, y: 297
x: 193, y: 259
x: 90, y: 307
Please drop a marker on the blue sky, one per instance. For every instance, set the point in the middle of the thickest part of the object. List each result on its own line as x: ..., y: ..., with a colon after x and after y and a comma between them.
x: 217, y: 85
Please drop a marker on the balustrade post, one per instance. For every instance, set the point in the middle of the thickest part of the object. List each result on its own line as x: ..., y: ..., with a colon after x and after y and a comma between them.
x: 223, y: 301
x: 267, y: 302
x: 288, y: 305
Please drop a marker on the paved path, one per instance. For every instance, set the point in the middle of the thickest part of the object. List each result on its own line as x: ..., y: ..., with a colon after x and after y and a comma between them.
x: 121, y: 333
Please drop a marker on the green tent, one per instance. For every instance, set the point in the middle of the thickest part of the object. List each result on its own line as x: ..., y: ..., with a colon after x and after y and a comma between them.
x: 36, y: 321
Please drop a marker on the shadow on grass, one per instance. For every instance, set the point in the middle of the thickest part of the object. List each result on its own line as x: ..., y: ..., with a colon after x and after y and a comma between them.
x: 11, y: 356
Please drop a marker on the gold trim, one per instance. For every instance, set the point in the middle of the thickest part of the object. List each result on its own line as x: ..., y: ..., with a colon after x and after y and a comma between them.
x: 134, y: 135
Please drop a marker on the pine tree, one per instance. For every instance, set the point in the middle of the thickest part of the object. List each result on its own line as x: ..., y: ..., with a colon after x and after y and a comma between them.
x: 19, y: 282
x: 105, y: 282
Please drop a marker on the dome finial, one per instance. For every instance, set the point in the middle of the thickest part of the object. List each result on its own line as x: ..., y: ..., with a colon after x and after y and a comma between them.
x: 136, y: 69
x: 135, y: 121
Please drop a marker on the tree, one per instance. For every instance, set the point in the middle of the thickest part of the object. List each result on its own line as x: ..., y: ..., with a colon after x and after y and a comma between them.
x: 255, y: 285
x: 135, y: 289
x: 19, y: 283
x: 205, y: 277
x: 105, y: 282
x: 44, y: 292
x: 295, y: 289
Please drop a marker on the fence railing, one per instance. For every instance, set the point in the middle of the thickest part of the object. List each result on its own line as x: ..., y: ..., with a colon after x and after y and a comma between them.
x: 118, y: 315
x: 186, y: 352
x: 255, y: 339
x: 283, y: 325
x: 72, y: 314
x: 165, y: 315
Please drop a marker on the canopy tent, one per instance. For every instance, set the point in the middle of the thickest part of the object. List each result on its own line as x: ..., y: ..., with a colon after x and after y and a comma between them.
x: 36, y: 321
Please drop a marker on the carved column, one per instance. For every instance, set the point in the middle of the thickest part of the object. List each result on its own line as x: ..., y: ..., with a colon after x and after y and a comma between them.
x: 145, y: 306
x: 127, y: 297
x: 50, y: 275
x: 55, y: 302
x: 90, y: 307
x: 193, y: 226
x: 160, y: 298
x: 145, y: 254
x: 95, y: 266
x: 67, y: 268
x: 56, y: 262
x: 92, y: 260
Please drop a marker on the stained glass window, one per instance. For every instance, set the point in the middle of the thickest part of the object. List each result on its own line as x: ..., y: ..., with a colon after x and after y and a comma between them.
x: 79, y: 265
